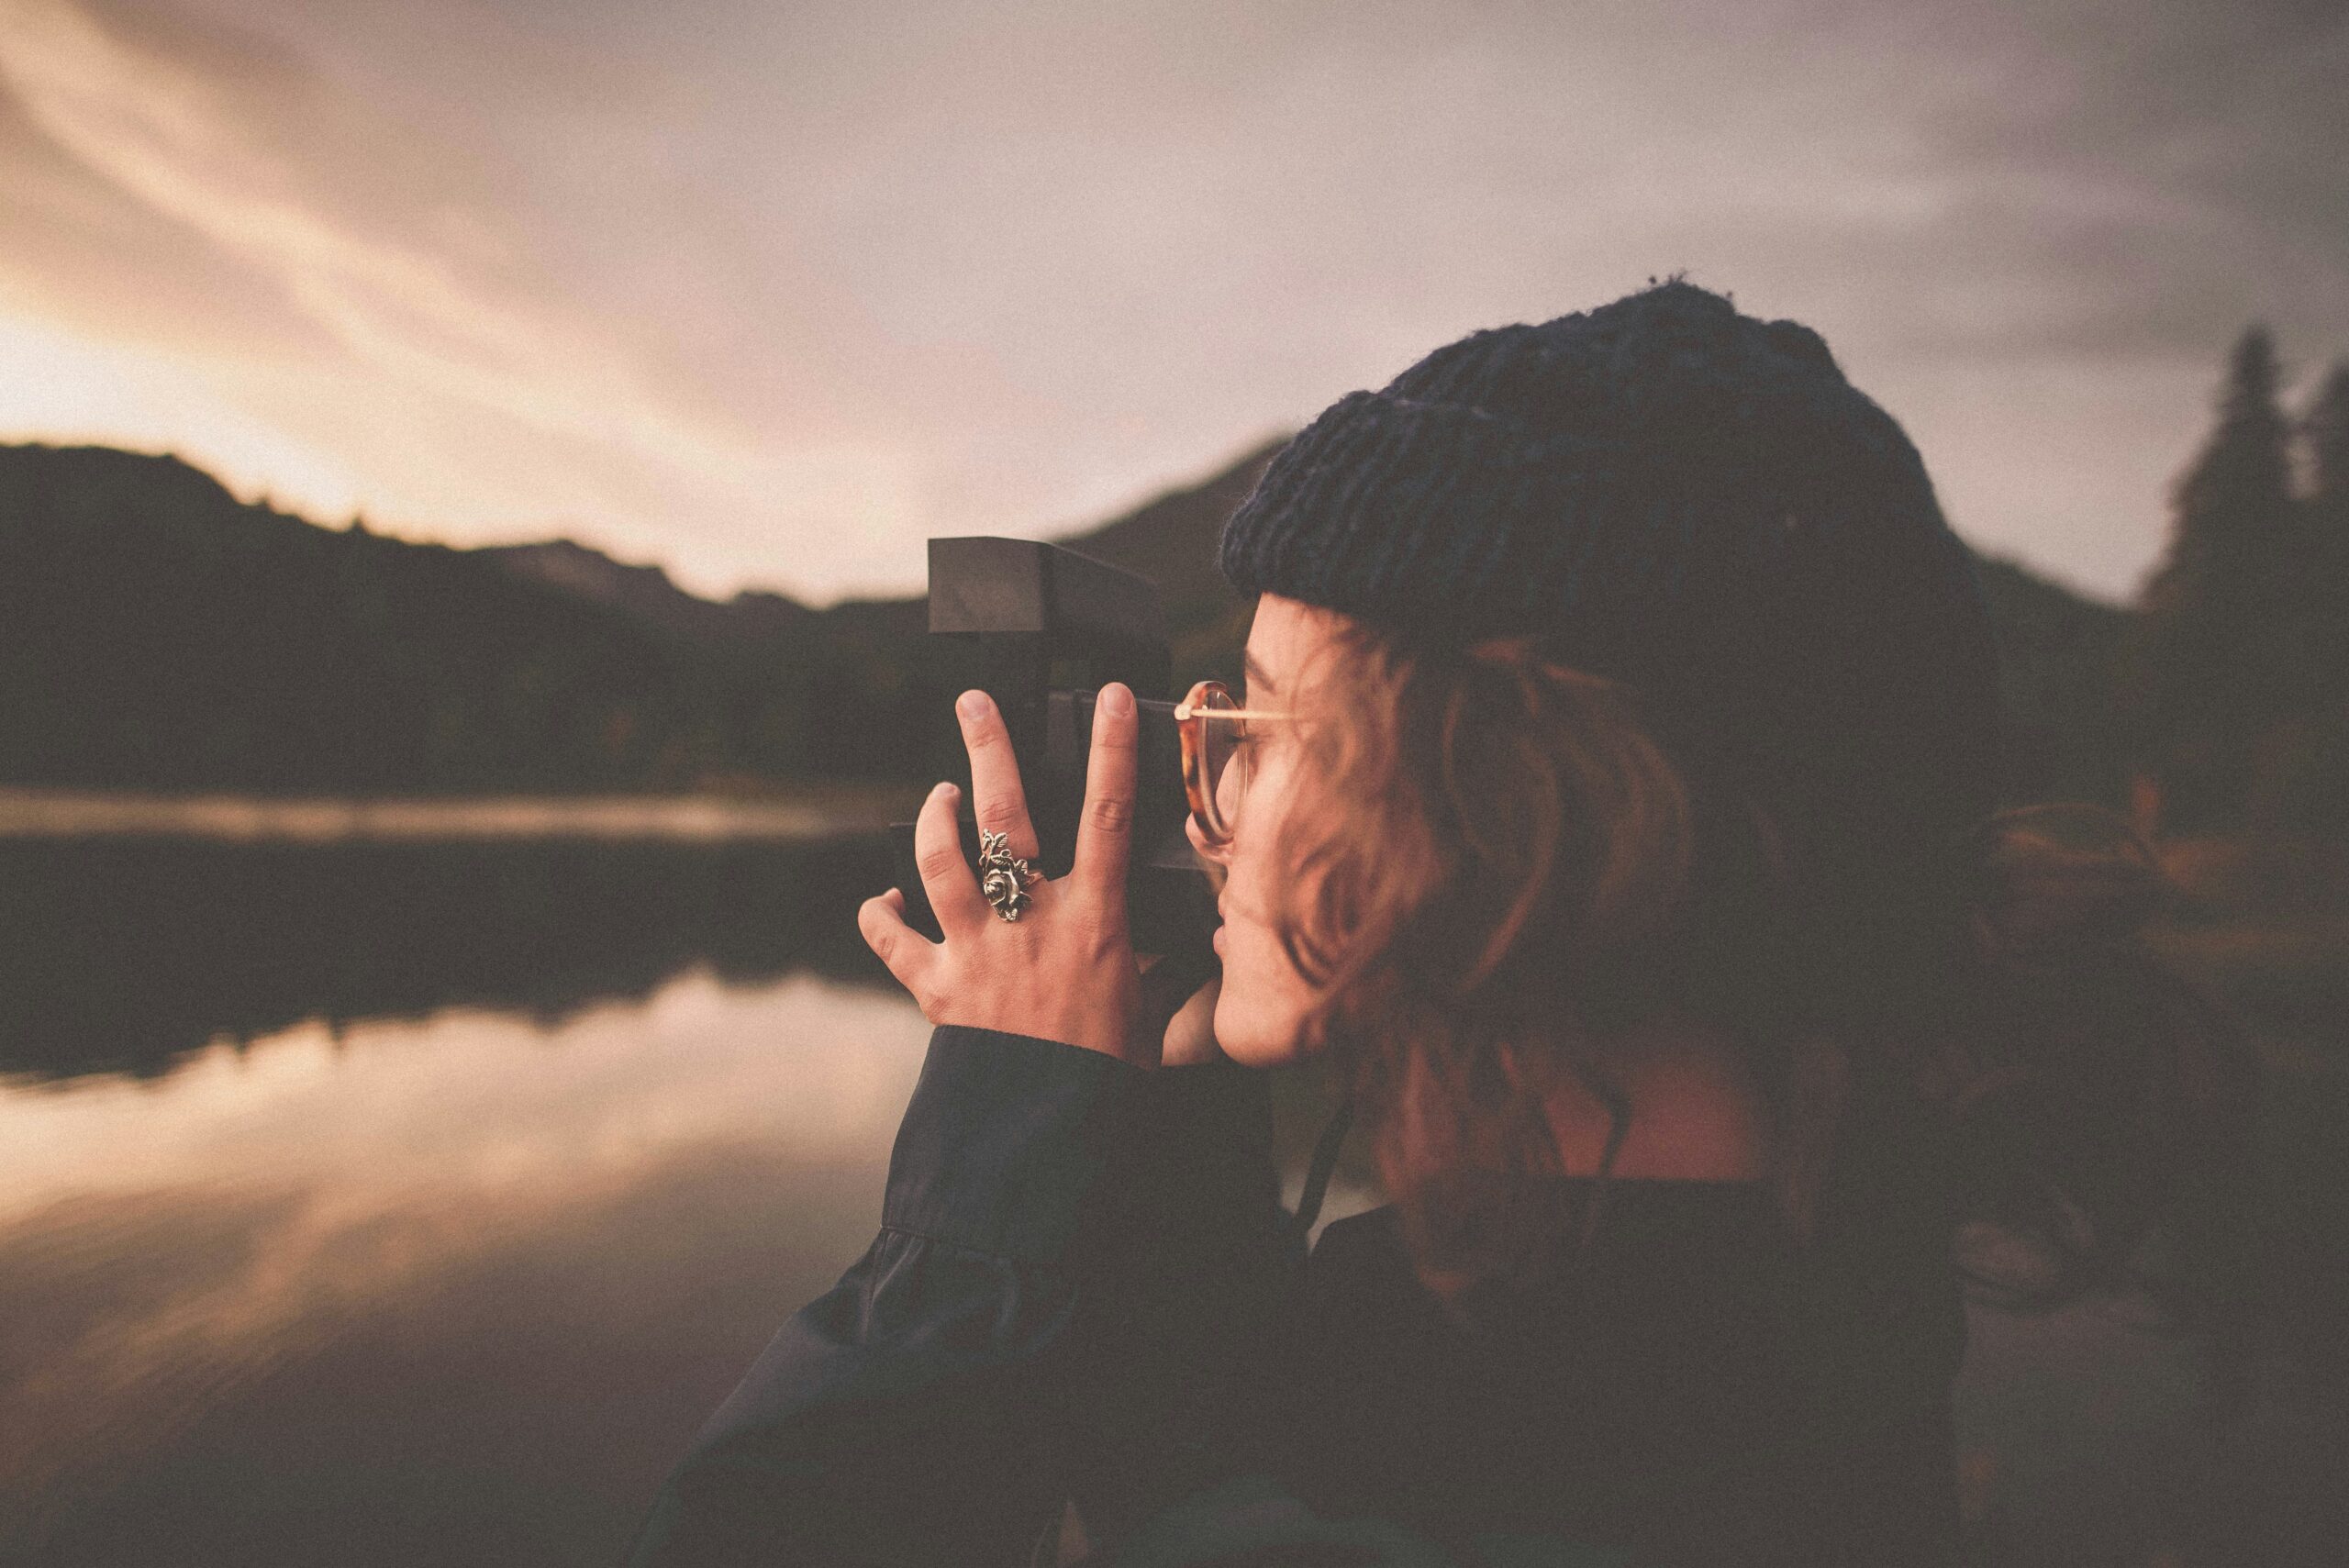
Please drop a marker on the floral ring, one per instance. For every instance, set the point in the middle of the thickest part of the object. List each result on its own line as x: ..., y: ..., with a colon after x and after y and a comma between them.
x: 1004, y: 877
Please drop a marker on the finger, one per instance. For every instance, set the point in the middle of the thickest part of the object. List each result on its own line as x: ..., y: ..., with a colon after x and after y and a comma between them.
x: 938, y: 855
x: 1105, y: 833
x: 998, y: 800
x: 906, y: 952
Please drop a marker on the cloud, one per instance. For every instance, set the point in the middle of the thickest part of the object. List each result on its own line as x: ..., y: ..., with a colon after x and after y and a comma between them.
x: 772, y: 291
x: 395, y: 323
x: 173, y: 140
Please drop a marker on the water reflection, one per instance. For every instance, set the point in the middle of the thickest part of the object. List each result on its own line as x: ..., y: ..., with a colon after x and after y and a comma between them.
x: 414, y: 1206
x: 126, y: 956
x: 453, y: 1290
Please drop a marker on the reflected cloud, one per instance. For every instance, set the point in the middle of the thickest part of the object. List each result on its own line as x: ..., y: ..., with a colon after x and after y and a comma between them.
x: 168, y: 1248
x: 474, y: 1099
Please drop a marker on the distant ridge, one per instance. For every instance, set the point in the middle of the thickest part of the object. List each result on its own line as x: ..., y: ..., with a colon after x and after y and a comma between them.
x: 646, y: 593
x: 161, y: 635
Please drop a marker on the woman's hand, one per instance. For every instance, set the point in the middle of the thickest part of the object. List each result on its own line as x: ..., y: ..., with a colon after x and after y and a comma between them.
x: 1065, y: 969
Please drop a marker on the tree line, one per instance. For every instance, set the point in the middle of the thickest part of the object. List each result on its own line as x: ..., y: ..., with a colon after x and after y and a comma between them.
x: 2231, y: 687
x: 157, y: 633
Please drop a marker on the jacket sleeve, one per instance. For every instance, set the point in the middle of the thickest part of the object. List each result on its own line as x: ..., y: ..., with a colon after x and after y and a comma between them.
x: 1170, y: 1346
x: 914, y: 1413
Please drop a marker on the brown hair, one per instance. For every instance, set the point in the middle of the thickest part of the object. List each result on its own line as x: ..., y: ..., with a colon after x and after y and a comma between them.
x: 1505, y: 866
x: 1497, y: 861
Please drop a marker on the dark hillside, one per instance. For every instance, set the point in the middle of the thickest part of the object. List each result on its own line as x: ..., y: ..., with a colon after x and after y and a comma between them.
x: 159, y: 634
x: 646, y: 593
x: 2058, y: 654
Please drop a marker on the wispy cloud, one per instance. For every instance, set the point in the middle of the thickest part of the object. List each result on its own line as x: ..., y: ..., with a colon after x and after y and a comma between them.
x: 770, y: 292
x: 405, y: 322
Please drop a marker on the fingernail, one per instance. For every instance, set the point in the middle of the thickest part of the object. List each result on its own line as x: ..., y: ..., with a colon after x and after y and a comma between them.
x: 1117, y: 701
x: 943, y: 790
x: 971, y: 704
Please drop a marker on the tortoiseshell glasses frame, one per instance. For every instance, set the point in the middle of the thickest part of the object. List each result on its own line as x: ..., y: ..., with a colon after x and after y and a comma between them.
x: 1215, y: 765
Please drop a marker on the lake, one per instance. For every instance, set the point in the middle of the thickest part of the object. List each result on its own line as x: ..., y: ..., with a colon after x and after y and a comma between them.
x: 409, y: 1205
x: 399, y: 1203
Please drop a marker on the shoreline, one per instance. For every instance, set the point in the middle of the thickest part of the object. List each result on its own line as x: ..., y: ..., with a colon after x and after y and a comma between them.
x: 227, y: 817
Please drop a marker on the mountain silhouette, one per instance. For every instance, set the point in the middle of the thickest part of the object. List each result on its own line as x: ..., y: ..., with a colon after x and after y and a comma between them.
x: 160, y: 634
x: 646, y: 595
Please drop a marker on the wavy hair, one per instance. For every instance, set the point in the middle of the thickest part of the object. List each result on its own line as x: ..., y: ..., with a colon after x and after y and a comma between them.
x: 1503, y: 867
x: 1495, y: 861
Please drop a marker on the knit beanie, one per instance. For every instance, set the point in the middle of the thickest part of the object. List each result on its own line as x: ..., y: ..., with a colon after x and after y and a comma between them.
x: 1690, y: 501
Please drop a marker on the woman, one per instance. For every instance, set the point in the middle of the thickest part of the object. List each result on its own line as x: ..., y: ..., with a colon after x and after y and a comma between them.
x: 1623, y: 704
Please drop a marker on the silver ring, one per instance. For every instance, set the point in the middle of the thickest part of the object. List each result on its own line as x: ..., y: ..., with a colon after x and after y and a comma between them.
x: 1004, y: 877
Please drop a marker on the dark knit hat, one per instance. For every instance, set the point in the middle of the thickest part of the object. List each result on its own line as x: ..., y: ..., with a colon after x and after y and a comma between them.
x: 1682, y: 497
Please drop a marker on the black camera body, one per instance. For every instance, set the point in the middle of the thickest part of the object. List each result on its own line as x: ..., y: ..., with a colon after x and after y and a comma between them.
x: 1040, y: 628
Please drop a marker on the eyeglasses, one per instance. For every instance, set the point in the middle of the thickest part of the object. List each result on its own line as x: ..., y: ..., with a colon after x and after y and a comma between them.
x: 1217, y: 748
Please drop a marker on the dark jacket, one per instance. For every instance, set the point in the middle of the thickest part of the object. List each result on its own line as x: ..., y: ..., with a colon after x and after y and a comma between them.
x: 1084, y: 1290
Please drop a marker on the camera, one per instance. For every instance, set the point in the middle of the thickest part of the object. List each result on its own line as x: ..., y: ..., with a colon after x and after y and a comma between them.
x: 1041, y: 628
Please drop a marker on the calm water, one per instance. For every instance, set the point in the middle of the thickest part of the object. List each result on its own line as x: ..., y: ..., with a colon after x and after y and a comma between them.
x: 287, y: 1277
x: 406, y: 1205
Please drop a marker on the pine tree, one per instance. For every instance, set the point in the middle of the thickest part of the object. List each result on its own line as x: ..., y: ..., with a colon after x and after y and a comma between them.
x: 2324, y: 435
x: 2310, y: 600
x: 2325, y: 429
x: 2212, y: 671
x: 2322, y: 792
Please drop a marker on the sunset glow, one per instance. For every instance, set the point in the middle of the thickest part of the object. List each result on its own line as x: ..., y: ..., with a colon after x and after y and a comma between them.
x: 768, y: 294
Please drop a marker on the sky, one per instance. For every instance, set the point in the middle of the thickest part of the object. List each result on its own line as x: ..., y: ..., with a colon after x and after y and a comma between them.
x: 770, y: 291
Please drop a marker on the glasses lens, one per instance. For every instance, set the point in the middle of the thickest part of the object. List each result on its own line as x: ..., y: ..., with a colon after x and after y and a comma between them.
x: 1222, y: 773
